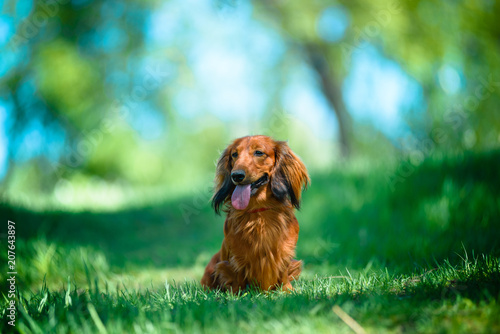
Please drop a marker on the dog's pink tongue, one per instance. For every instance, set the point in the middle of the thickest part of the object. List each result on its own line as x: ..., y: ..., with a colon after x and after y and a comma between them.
x: 241, y: 197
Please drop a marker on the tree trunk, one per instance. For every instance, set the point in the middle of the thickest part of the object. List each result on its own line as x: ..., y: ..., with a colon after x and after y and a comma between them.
x: 333, y: 93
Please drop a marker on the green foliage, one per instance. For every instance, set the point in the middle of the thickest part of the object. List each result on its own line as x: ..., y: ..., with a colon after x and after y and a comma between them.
x: 58, y: 65
x: 84, y: 69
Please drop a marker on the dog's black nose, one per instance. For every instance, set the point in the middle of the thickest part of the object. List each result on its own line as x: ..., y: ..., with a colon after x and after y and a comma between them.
x: 238, y: 175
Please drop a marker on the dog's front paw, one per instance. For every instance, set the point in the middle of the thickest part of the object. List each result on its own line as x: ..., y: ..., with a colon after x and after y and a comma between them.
x: 224, y: 275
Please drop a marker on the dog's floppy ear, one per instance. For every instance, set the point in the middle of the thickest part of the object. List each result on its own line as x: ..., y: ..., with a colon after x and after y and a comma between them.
x: 289, y: 176
x: 223, y: 184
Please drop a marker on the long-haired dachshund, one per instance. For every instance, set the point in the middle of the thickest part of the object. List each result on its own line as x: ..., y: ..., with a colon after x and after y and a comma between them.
x: 258, y: 183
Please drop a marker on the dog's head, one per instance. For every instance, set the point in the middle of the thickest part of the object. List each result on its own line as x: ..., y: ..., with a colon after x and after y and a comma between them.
x: 251, y: 163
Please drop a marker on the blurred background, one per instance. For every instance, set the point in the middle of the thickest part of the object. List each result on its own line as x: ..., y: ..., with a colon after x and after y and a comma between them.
x: 113, y: 113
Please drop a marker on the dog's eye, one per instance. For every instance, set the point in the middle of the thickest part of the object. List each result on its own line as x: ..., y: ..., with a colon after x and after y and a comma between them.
x: 234, y: 155
x: 258, y: 153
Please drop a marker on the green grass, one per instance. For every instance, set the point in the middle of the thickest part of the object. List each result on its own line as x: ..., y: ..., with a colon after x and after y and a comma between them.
x: 460, y: 298
x: 420, y: 258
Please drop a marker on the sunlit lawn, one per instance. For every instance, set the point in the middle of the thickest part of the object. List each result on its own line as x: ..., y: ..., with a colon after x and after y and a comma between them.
x: 423, y: 257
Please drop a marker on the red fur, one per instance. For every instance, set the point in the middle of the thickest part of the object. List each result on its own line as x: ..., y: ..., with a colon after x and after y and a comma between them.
x: 259, y: 242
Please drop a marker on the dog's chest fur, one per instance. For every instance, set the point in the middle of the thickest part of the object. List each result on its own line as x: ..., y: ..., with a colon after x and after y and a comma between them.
x: 260, y: 248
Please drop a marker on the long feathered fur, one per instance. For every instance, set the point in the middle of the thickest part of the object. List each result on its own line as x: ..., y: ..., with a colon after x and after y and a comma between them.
x: 259, y: 242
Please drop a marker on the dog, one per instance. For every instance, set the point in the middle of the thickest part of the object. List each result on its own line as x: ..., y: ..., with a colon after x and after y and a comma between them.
x: 258, y: 183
